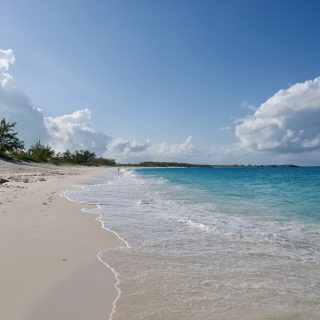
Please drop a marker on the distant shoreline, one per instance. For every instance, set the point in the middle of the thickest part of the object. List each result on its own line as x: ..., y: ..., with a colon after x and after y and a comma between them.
x: 157, y: 164
x: 190, y: 165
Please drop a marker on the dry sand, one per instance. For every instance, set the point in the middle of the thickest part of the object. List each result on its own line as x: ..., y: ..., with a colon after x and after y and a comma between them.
x: 48, y: 248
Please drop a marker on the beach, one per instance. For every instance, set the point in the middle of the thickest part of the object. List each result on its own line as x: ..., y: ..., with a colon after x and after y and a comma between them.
x: 49, y: 267
x: 182, y: 246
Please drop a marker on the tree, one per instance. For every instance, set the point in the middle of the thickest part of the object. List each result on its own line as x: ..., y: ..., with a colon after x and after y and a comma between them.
x: 67, y: 156
x: 83, y: 157
x: 103, y: 162
x: 8, y: 137
x: 40, y: 152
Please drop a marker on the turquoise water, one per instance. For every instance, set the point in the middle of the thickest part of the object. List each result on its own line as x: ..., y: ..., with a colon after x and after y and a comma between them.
x: 291, y: 193
x: 225, y: 244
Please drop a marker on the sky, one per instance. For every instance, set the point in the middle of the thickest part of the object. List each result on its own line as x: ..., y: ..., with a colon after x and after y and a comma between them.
x: 196, y: 81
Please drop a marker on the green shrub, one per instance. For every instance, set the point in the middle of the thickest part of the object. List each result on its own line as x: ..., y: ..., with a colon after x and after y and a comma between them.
x: 40, y: 152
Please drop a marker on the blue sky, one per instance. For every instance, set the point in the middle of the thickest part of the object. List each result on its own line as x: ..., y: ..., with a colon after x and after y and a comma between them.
x: 160, y: 70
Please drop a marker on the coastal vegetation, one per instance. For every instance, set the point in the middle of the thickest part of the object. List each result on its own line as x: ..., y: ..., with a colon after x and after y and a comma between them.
x: 12, y: 148
x: 83, y: 157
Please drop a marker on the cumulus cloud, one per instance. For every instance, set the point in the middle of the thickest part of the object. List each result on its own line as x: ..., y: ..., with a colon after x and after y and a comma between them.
x: 75, y: 131
x: 16, y: 106
x: 283, y: 129
x: 288, y: 122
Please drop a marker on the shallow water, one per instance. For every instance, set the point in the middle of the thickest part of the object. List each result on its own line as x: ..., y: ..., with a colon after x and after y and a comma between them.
x: 213, y: 243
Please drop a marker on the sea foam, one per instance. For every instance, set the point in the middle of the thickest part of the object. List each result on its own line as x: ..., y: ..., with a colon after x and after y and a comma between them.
x: 194, y: 251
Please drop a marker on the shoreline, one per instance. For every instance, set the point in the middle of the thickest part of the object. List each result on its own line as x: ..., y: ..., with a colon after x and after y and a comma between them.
x: 123, y: 242
x: 51, y: 266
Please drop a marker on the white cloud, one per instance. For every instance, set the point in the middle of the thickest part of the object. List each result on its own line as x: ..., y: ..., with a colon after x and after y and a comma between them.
x: 6, y: 59
x: 16, y: 106
x: 288, y: 122
x: 75, y: 131
x: 283, y: 129
x: 124, y: 146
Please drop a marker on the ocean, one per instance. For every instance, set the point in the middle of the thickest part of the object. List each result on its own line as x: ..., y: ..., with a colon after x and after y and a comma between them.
x: 212, y: 243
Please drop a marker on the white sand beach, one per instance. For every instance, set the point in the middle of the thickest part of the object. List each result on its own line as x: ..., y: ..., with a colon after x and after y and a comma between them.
x: 49, y: 267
